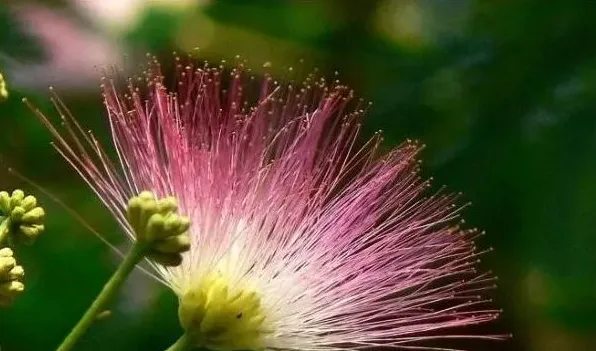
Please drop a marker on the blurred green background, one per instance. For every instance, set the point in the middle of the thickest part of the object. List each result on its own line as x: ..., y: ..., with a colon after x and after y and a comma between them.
x: 503, y: 93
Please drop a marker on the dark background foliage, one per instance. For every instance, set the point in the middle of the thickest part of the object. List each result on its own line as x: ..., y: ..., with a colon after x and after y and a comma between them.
x: 503, y: 93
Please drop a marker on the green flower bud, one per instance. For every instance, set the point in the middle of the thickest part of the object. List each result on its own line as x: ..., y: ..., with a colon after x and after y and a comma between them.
x: 11, y: 276
x: 22, y: 218
x: 173, y: 244
x: 167, y: 205
x: 156, y: 227
x: 29, y: 203
x: 11, y: 288
x: 17, y: 273
x: 155, y: 222
x: 28, y: 233
x: 147, y: 195
x: 17, y: 197
x: 33, y: 216
x: 4, y: 202
x: 17, y: 213
x: 6, y: 265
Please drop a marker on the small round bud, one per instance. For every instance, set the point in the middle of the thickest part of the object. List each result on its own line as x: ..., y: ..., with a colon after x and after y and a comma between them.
x: 146, y: 196
x: 17, y: 273
x: 148, y: 208
x: 155, y: 226
x: 6, y: 265
x: 11, y: 288
x: 29, y: 203
x: 173, y: 244
x: 28, y: 233
x: 17, y: 213
x: 16, y: 198
x: 6, y: 252
x: 133, y: 212
x: 183, y: 224
x: 4, y: 202
x: 167, y: 205
x: 33, y: 216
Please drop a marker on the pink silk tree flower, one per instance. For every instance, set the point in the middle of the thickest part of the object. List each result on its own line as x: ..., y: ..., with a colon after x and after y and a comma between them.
x: 302, y: 237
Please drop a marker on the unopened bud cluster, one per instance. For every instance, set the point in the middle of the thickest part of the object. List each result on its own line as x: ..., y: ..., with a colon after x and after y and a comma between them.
x: 156, y: 223
x: 25, y: 218
x: 11, y: 276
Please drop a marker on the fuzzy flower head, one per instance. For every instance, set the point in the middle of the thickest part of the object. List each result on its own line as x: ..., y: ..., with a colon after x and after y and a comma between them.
x: 302, y: 237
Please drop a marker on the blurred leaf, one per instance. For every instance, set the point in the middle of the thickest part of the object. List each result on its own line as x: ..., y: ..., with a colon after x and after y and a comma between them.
x: 16, y: 44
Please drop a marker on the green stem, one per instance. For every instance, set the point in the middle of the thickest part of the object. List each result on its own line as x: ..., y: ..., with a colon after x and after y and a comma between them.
x: 183, y: 344
x: 134, y: 256
x: 4, y: 228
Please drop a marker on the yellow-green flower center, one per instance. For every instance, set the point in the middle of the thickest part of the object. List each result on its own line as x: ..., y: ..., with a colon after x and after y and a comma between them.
x: 220, y: 317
